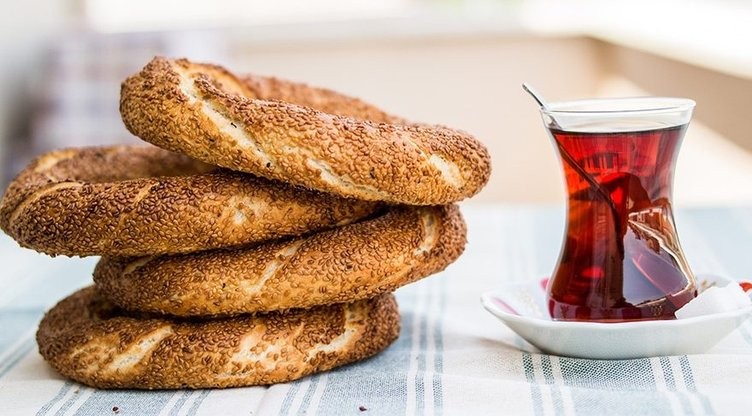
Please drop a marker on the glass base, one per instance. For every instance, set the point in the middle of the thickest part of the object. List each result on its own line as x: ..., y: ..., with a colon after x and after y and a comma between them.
x: 656, y: 310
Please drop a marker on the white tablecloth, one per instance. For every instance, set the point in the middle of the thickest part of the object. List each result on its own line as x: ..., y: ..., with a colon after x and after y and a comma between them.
x: 451, y: 358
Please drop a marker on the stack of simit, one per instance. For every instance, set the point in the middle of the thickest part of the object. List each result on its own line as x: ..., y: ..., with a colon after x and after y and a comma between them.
x: 258, y: 243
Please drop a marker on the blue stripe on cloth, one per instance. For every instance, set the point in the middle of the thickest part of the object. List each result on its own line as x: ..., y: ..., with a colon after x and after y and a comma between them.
x: 16, y: 324
x: 16, y: 356
x: 668, y: 375
x: 420, y: 387
x: 68, y: 403
x: 546, y: 252
x: 197, y: 403
x: 548, y: 375
x: 292, y: 391
x: 689, y: 381
x: 315, y: 380
x: 59, y: 396
x: 132, y: 402
x: 615, y: 387
x: 20, y: 315
x: 378, y: 384
x: 184, y: 395
x: 438, y: 365
x: 535, y: 393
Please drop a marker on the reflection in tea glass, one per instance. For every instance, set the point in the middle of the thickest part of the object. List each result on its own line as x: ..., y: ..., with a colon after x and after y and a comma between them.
x: 621, y: 259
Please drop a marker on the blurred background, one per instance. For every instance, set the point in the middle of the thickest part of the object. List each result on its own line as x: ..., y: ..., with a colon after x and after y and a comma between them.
x: 453, y: 62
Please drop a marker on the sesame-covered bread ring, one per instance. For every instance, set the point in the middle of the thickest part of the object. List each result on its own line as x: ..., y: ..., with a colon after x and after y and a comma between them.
x: 321, y: 99
x: 353, y: 262
x: 132, y: 200
x: 210, y: 114
x: 88, y: 340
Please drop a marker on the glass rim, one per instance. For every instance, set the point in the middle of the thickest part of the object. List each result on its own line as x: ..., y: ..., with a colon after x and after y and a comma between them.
x: 629, y: 105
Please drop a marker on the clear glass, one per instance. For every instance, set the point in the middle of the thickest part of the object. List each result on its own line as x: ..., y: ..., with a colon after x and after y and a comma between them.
x: 621, y: 259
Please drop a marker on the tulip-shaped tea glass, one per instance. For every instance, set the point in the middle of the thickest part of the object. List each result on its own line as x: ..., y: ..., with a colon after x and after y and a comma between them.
x: 621, y: 259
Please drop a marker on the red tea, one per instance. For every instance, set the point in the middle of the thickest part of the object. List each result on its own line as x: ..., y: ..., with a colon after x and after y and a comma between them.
x: 621, y: 258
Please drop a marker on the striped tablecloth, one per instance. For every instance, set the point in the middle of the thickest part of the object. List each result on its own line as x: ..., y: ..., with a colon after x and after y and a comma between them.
x: 451, y: 358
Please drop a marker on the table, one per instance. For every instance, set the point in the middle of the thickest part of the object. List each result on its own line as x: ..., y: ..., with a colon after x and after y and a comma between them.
x: 451, y: 358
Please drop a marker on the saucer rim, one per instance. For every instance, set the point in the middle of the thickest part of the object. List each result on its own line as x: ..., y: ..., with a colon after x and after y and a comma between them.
x: 486, y: 301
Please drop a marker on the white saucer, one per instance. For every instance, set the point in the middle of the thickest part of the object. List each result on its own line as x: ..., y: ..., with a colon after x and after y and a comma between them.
x: 523, y: 308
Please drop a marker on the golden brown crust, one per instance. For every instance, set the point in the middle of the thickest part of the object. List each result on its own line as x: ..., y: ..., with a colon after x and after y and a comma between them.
x: 129, y: 200
x: 321, y: 99
x: 208, y: 113
x: 91, y: 342
x: 349, y: 263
